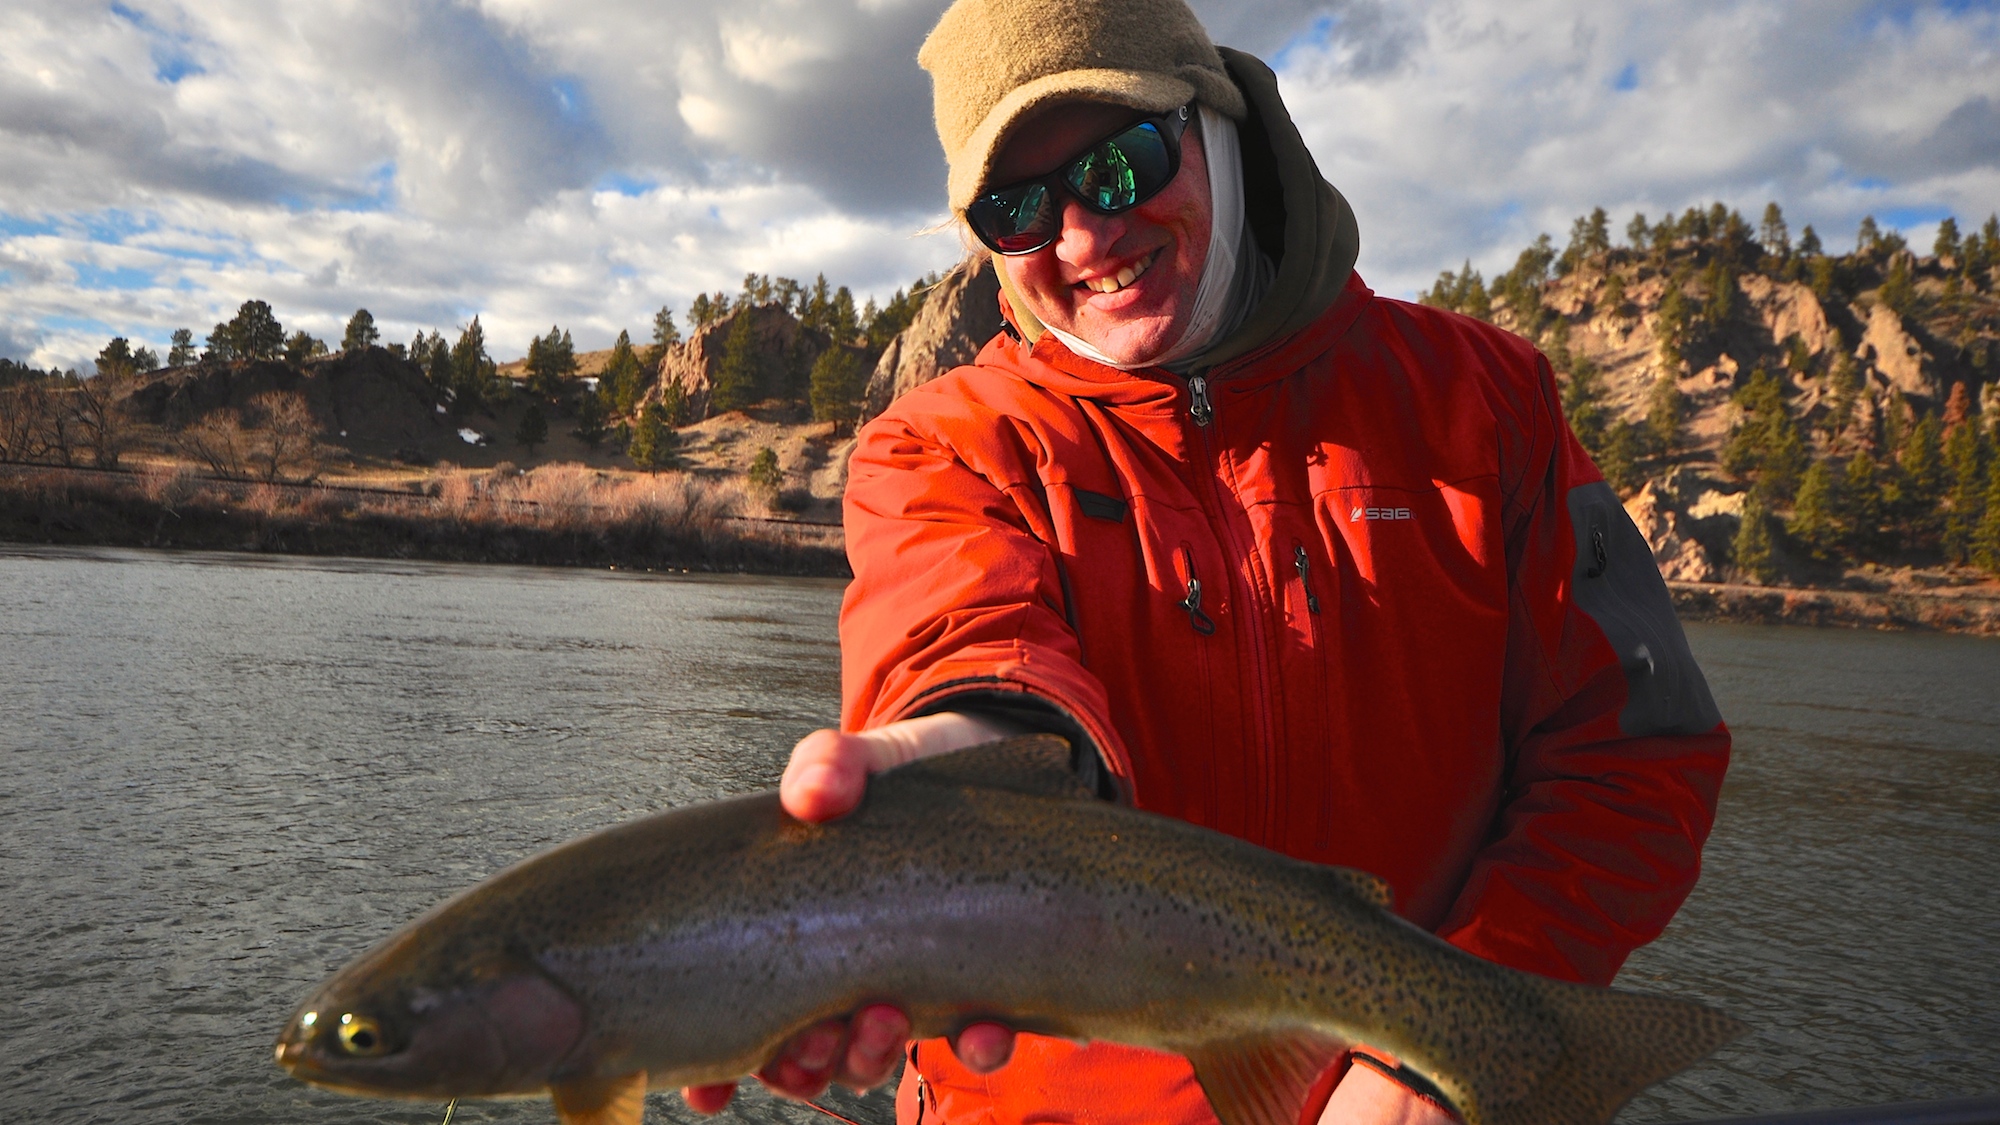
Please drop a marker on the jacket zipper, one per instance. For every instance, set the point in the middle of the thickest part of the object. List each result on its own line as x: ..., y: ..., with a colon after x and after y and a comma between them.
x: 1200, y: 409
x: 1304, y: 566
x: 1201, y: 622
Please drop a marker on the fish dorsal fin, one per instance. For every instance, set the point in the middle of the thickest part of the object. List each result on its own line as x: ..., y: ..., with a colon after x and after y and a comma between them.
x: 1264, y: 1079
x: 602, y: 1101
x: 1368, y: 885
x: 1037, y: 764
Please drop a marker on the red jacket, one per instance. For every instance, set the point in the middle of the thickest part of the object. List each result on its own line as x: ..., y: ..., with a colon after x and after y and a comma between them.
x: 1379, y: 611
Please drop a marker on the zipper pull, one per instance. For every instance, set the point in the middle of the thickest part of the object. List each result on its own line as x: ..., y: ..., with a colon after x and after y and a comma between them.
x: 1305, y: 576
x: 1202, y: 622
x: 1199, y: 408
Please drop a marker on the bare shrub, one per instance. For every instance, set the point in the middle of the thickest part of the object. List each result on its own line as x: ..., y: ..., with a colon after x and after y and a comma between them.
x: 93, y: 406
x: 25, y: 422
x: 457, y: 494
x: 287, y: 445
x: 265, y: 499
x: 219, y: 441
x: 169, y: 486
x: 562, y: 495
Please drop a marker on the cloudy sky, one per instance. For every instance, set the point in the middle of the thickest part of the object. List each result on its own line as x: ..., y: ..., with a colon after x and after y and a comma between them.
x: 583, y: 162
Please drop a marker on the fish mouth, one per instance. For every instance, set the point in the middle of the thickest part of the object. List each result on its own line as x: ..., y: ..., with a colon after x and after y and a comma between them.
x: 501, y: 1036
x: 1112, y: 283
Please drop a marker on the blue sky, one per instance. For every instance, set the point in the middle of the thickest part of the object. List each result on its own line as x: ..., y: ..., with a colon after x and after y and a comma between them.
x: 583, y: 163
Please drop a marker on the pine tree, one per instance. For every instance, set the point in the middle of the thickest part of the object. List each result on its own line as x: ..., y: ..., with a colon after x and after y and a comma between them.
x: 1637, y: 232
x: 301, y: 346
x: 1666, y: 412
x: 1723, y: 298
x: 1776, y: 239
x: 1845, y: 381
x: 1809, y: 244
x: 360, y: 333
x: 674, y: 403
x: 590, y: 421
x: 472, y: 370
x: 765, y: 477
x: 700, y: 313
x: 622, y: 381
x: 1967, y: 457
x: 534, y: 428
x: 1947, y: 244
x: 1670, y: 324
x: 1920, y: 483
x: 1815, y: 521
x: 181, y: 352
x: 665, y: 335
x: 115, y: 361
x: 1614, y: 293
x: 736, y: 381
x: 1860, y: 506
x: 652, y: 446
x: 1898, y: 289
x: 1754, y: 548
x: 1868, y: 237
x: 1986, y: 543
x: 253, y: 333
x: 551, y: 363
x: 838, y: 379
x: 1765, y: 442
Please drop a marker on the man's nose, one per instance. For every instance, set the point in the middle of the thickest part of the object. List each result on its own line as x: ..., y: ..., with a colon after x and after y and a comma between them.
x: 1087, y: 237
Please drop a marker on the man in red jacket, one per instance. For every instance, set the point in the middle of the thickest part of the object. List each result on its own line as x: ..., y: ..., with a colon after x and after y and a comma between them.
x: 1318, y: 569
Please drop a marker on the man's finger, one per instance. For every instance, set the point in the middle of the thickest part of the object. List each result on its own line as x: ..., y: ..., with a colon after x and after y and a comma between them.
x: 826, y: 776
x: 984, y: 1047
x: 875, y: 1042
x: 805, y: 1067
x: 708, y: 1100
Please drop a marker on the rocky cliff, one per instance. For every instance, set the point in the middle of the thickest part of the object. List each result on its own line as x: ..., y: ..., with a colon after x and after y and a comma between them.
x: 959, y: 315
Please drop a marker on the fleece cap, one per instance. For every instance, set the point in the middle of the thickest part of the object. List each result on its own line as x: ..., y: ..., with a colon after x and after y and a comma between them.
x: 992, y: 62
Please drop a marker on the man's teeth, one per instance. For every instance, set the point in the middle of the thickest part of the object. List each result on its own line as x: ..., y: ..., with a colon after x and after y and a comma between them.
x: 1123, y: 277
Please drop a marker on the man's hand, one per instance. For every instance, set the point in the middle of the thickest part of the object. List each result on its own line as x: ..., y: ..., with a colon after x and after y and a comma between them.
x: 824, y: 780
x: 1366, y: 1096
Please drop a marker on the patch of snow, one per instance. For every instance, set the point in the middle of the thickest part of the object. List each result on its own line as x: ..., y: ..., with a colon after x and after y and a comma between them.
x: 472, y: 437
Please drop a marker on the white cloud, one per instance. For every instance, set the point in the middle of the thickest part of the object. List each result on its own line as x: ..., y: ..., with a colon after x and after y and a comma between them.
x: 582, y: 163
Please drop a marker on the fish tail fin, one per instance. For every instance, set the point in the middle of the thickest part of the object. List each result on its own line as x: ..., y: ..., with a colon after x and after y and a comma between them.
x: 1614, y: 1045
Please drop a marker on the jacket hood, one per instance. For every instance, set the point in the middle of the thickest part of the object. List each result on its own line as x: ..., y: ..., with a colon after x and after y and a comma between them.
x: 1300, y: 221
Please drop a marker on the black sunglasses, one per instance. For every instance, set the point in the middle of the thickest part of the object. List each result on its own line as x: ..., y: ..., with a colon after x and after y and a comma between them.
x: 1115, y: 174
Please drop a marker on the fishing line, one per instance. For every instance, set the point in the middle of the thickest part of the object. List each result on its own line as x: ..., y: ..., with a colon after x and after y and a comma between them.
x: 830, y: 1113
x: 449, y: 1108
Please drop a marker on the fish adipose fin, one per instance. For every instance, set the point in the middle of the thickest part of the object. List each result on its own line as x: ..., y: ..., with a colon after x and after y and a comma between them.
x: 1035, y: 764
x: 1264, y: 1079
x: 602, y: 1101
x: 1372, y: 887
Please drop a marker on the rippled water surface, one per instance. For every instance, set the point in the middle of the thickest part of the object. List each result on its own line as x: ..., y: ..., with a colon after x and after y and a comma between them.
x: 220, y: 777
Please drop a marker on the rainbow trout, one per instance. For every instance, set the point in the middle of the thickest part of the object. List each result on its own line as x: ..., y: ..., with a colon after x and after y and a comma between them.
x: 685, y: 948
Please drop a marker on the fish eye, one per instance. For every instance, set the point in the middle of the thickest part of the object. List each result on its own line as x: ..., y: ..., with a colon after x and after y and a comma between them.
x: 361, y: 1036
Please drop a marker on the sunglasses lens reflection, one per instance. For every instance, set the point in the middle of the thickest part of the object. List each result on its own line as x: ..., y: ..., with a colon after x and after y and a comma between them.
x: 1117, y: 174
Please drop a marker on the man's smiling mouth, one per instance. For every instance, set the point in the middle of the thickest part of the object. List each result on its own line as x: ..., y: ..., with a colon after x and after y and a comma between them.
x: 1122, y: 278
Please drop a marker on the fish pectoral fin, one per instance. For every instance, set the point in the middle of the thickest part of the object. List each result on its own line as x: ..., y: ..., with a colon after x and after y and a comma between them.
x: 1264, y: 1079
x: 602, y: 1101
x: 1040, y: 765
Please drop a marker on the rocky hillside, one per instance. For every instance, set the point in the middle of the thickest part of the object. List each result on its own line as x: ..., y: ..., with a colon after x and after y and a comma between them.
x: 1775, y: 412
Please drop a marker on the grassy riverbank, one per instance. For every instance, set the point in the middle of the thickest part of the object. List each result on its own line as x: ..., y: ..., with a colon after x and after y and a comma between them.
x: 556, y: 515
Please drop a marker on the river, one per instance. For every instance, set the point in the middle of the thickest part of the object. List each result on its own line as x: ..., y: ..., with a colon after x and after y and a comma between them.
x: 224, y: 775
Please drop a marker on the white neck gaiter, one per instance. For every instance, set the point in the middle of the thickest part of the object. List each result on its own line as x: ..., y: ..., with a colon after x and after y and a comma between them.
x: 1235, y: 273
